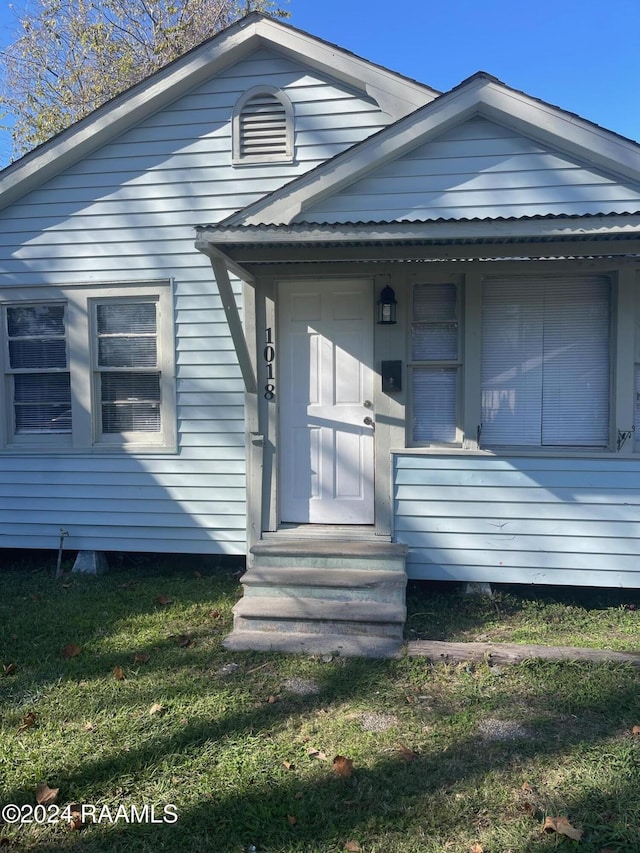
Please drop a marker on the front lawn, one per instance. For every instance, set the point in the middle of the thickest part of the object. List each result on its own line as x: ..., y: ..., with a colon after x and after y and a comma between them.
x: 117, y: 691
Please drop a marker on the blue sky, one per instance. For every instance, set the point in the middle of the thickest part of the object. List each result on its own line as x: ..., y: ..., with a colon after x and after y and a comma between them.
x: 581, y: 55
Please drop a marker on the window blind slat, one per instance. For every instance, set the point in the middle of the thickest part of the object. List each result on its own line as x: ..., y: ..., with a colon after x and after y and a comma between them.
x: 575, y: 395
x: 545, y: 361
x: 434, y: 338
x: 434, y: 404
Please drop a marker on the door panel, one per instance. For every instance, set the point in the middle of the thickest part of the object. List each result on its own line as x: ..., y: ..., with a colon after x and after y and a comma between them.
x: 325, y: 377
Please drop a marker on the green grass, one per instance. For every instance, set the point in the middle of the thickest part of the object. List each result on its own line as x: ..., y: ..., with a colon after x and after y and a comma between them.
x: 552, y: 616
x: 218, y: 751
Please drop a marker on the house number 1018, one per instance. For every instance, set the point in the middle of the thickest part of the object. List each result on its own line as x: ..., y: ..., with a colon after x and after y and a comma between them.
x: 269, y: 355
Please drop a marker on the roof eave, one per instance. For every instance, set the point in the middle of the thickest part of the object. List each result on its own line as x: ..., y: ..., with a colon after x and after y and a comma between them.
x: 588, y: 236
x: 186, y: 73
x: 531, y: 227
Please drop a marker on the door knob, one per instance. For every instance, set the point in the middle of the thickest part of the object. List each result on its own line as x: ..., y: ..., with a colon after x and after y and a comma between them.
x: 368, y: 404
x: 368, y: 421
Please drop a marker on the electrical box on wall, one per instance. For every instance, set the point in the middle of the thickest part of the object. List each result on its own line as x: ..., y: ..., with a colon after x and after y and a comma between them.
x: 391, y: 376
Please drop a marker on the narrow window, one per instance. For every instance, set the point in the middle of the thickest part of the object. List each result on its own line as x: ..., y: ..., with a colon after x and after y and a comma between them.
x: 435, y: 363
x: 263, y: 127
x: 38, y: 369
x: 127, y: 366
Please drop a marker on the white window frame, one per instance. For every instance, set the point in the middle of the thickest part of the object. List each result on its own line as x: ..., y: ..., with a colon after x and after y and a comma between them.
x: 456, y: 364
x: 240, y: 159
x: 86, y: 432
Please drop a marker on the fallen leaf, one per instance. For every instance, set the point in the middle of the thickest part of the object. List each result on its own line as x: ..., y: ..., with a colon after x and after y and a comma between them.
x: 352, y: 847
x: 185, y: 642
x: 298, y: 795
x: 142, y: 657
x: 89, y: 726
x: 271, y: 700
x: 342, y: 765
x: 529, y: 808
x: 292, y: 820
x: 163, y: 600
x: 636, y: 730
x: 527, y: 788
x: 46, y: 796
x: 157, y: 708
x: 214, y: 614
x: 76, y: 817
x: 71, y: 650
x: 476, y: 848
x: 118, y: 673
x: 28, y: 721
x: 288, y: 765
x: 407, y: 754
x: 316, y: 753
x: 562, y: 826
x: 9, y: 669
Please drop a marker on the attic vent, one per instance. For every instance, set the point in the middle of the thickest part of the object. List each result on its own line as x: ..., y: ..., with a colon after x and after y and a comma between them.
x: 263, y: 127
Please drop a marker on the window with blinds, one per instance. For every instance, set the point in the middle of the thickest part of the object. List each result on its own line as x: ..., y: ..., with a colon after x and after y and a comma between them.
x: 435, y: 363
x: 88, y: 367
x: 263, y: 127
x: 38, y: 368
x: 545, y: 361
x: 127, y: 366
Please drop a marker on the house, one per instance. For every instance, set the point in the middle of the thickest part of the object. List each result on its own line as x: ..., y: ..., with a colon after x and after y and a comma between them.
x: 406, y: 340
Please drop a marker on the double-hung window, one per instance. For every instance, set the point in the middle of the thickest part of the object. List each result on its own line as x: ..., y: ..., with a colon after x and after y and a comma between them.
x: 545, y: 361
x: 435, y: 363
x: 89, y: 367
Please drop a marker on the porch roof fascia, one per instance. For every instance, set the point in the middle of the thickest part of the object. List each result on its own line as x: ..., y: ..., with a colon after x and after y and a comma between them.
x: 560, y: 236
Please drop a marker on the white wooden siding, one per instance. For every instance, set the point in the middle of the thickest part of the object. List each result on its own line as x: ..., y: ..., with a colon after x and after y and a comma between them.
x: 127, y: 213
x: 478, y: 169
x: 533, y: 520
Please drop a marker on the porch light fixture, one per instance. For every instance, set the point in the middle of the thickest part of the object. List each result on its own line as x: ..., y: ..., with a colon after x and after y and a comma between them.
x: 387, y: 307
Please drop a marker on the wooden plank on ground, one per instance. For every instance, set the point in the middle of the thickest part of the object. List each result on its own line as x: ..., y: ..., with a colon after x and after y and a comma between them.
x: 504, y: 653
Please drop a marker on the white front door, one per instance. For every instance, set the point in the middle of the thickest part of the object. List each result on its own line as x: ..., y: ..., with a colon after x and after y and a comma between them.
x: 325, y: 390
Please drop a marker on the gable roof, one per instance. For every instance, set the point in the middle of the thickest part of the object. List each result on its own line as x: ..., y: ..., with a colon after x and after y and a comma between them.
x: 395, y: 94
x: 479, y: 95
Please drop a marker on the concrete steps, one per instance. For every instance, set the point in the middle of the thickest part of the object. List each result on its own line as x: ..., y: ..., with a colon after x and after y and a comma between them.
x: 322, y: 595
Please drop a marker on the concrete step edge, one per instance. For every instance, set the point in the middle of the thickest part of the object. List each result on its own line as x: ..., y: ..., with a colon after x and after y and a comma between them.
x: 315, y: 644
x: 318, y: 609
x: 307, y: 577
x: 328, y: 548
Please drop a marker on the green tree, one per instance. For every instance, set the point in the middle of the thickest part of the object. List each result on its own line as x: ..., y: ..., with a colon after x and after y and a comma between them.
x: 71, y: 56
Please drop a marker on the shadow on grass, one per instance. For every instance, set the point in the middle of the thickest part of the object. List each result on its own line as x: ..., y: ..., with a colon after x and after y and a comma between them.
x: 388, y: 799
x: 443, y: 611
x: 406, y: 806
